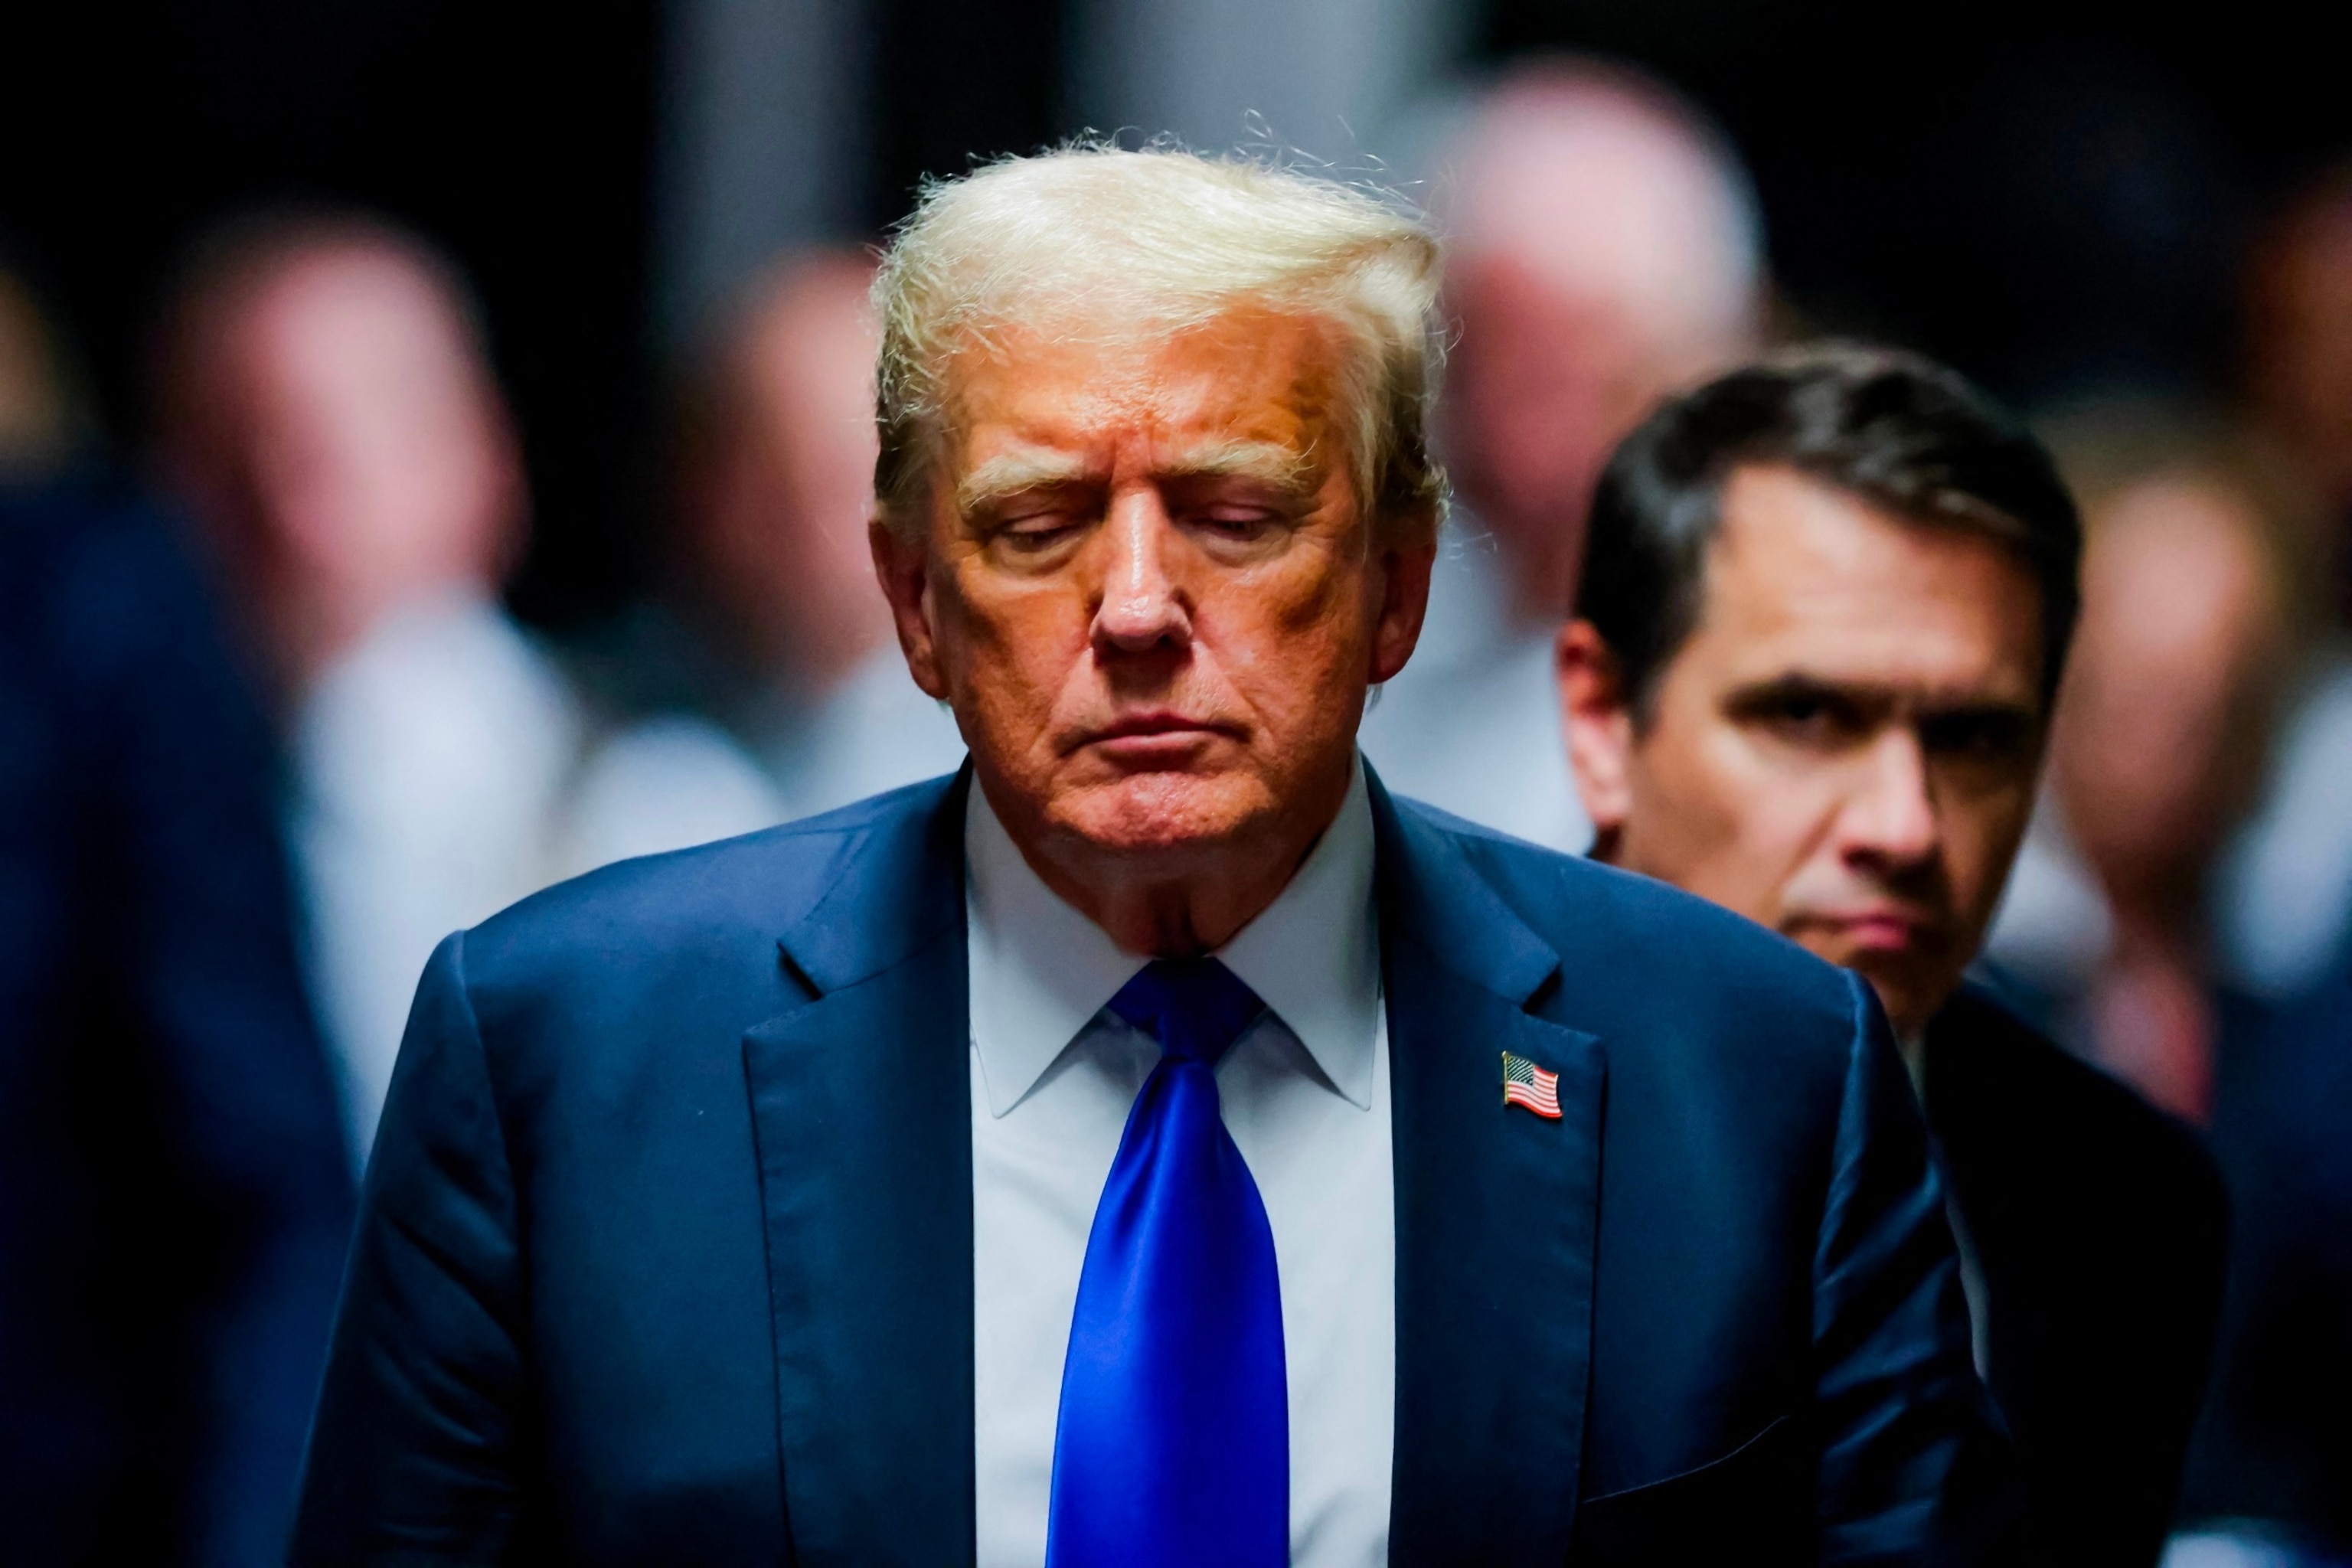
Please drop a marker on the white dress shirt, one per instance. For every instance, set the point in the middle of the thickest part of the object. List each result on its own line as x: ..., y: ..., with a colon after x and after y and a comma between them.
x: 1306, y: 1096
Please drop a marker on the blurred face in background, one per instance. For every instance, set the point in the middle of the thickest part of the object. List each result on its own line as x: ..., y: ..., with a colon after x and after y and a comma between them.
x: 1602, y: 256
x: 336, y: 428
x: 35, y: 427
x: 1845, y: 749
x: 2299, y: 344
x: 2158, y: 743
x: 1150, y: 593
x: 779, y: 482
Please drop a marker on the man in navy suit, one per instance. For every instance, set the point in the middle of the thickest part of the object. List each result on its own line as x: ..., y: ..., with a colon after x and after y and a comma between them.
x: 1155, y: 1144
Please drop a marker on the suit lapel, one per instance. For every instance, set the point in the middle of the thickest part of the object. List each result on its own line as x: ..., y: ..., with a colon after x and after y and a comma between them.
x: 1497, y: 1216
x: 860, y: 1101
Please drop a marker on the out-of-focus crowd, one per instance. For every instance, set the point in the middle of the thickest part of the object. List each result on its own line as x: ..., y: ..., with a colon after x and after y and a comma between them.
x: 267, y: 734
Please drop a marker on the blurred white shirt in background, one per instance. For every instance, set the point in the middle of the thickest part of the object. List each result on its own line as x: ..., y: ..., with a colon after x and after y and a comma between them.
x: 1472, y: 725
x: 673, y: 780
x: 2283, y: 896
x: 430, y: 767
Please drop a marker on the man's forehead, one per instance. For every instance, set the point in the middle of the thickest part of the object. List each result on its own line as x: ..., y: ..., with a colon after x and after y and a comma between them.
x: 1249, y: 376
x: 1804, y: 579
x: 999, y: 470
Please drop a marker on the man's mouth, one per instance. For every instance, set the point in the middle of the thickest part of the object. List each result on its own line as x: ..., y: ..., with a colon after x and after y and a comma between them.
x: 1157, y: 732
x: 1888, y: 931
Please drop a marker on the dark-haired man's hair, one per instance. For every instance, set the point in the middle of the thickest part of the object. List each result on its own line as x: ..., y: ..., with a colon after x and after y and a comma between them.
x: 1896, y: 430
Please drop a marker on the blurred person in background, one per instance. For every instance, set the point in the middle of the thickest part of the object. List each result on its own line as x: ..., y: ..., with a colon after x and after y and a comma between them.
x: 2270, y: 1475
x: 2282, y: 906
x: 2132, y: 929
x: 37, y: 417
x: 786, y: 694
x: 327, y: 409
x: 1821, y: 625
x: 2193, y: 610
x: 2297, y: 352
x: 1604, y: 248
x: 175, y: 1192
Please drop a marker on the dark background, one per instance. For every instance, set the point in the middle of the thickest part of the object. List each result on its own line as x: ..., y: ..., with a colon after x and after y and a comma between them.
x: 2050, y: 194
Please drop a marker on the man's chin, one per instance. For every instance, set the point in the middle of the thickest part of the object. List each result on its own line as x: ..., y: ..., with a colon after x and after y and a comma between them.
x: 1911, y: 982
x: 1910, y: 987
x: 1173, y: 813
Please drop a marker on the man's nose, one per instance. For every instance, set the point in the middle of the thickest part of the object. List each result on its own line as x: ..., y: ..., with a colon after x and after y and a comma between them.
x: 1143, y: 607
x: 1891, y: 818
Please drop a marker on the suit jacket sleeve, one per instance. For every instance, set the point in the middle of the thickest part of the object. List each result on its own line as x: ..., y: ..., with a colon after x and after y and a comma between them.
x: 414, y: 1456
x: 1913, y: 1468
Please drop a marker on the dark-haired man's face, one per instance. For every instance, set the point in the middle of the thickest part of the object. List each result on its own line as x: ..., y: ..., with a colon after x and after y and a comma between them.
x: 1844, y: 748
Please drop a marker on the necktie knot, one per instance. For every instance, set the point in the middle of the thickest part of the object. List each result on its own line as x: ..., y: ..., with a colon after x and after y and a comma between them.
x: 1195, y: 1007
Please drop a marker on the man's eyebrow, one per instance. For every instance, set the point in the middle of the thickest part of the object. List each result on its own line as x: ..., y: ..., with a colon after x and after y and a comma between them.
x: 1878, y: 695
x: 1001, y: 479
x: 1793, y: 683
x: 1268, y: 462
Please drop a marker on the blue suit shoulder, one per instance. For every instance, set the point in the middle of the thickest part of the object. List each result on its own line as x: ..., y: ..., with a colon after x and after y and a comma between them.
x: 1665, y: 948
x: 693, y: 922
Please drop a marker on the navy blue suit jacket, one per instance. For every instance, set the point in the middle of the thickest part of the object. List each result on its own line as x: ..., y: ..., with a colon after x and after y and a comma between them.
x: 665, y: 1253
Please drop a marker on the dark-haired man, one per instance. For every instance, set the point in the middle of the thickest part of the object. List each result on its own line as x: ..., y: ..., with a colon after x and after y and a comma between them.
x: 1820, y: 628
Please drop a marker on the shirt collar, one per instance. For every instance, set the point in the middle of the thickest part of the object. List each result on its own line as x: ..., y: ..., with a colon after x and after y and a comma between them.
x: 1040, y: 971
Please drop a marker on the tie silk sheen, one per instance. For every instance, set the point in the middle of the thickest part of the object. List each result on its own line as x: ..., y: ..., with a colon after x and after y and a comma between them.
x: 1173, y: 1449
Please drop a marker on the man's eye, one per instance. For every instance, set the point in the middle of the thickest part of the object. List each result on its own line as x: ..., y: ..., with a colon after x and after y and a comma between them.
x: 1038, y: 530
x: 1812, y: 719
x: 1235, y: 522
x: 1982, y: 736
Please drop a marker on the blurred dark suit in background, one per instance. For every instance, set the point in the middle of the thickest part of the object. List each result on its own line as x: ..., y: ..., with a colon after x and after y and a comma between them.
x: 2273, y: 1457
x: 174, y: 1189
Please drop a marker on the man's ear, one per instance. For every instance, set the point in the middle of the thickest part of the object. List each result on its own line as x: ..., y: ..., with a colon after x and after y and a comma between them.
x: 1597, y: 720
x: 1408, y: 553
x: 903, y: 566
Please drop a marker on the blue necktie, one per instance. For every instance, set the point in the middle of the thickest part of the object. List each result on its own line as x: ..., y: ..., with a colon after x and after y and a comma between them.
x: 1173, y: 1446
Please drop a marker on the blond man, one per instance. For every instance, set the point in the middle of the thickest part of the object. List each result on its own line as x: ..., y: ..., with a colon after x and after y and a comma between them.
x: 1154, y: 1144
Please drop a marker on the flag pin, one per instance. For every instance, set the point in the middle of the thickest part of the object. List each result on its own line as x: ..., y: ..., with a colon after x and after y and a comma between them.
x: 1524, y: 1083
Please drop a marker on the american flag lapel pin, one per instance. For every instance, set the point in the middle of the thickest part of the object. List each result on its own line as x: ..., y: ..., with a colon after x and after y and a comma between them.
x: 1524, y: 1083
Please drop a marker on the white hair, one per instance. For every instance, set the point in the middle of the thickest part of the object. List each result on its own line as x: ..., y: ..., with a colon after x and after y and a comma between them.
x: 1157, y: 240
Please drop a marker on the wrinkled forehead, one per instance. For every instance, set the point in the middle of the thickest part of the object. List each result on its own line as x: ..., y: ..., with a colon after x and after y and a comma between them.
x: 1086, y: 382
